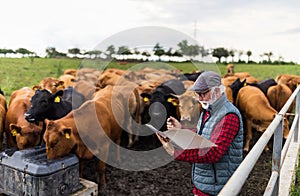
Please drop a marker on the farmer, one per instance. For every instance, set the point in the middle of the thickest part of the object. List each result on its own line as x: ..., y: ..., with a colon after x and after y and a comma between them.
x: 220, y: 122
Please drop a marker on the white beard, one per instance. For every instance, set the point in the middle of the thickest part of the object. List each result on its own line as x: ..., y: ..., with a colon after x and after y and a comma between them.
x: 204, y: 104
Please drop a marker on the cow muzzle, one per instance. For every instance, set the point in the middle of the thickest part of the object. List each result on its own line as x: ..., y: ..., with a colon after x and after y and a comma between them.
x: 29, y: 117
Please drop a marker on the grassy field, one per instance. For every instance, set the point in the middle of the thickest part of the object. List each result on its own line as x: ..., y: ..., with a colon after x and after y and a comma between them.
x: 16, y: 73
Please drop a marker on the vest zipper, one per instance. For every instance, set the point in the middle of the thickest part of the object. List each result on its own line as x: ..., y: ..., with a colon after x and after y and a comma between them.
x: 215, y: 173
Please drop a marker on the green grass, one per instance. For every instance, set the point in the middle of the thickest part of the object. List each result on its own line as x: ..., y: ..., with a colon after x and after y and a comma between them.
x: 16, y: 73
x: 295, y: 190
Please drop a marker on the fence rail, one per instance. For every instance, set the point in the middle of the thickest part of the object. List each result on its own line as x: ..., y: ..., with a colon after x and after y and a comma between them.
x: 237, y: 180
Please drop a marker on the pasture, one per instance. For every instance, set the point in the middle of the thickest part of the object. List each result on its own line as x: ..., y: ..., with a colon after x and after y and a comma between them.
x: 17, y: 73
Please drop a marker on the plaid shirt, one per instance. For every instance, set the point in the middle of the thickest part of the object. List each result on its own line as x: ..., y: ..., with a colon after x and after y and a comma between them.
x: 222, y: 135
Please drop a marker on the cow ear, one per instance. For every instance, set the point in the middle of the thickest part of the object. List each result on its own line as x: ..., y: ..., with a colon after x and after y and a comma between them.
x: 36, y: 87
x: 67, y: 133
x: 60, y: 84
x: 49, y: 123
x: 244, y: 82
x: 15, y: 129
x: 146, y: 97
x: 173, y: 100
x: 56, y: 96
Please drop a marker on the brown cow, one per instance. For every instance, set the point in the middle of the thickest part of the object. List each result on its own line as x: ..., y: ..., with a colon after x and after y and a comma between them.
x: 3, y: 110
x: 19, y: 132
x: 278, y: 96
x: 71, y: 72
x: 51, y: 84
x: 108, y: 78
x: 189, y: 108
x: 134, y: 90
x: 256, y: 111
x: 97, y: 120
x: 230, y: 68
x: 68, y: 80
x: 288, y: 79
x: 85, y: 88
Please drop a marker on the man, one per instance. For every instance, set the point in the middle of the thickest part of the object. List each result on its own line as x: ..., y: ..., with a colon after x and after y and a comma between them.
x: 220, y: 122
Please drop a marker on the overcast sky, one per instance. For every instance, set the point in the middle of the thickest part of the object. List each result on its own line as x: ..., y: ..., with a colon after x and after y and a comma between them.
x: 257, y: 25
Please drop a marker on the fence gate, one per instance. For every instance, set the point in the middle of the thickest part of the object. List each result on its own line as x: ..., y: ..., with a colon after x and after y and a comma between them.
x: 237, y: 180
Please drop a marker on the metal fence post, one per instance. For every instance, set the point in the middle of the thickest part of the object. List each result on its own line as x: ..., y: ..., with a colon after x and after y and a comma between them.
x: 297, y: 110
x: 273, y: 185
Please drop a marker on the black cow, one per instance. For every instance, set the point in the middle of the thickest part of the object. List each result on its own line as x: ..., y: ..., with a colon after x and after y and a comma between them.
x: 162, y: 103
x: 263, y: 86
x: 53, y: 106
x: 236, y: 86
x: 190, y: 76
x: 266, y: 84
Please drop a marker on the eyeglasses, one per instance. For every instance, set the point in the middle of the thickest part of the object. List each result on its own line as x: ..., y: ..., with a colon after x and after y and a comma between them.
x: 203, y: 94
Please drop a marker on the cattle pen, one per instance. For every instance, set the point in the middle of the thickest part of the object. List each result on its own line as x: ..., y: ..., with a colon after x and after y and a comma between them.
x: 276, y: 185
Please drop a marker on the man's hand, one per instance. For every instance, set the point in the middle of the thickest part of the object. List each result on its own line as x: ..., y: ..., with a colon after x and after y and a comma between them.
x: 173, y: 123
x: 166, y: 144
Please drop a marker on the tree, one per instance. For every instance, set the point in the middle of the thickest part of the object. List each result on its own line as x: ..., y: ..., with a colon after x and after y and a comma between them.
x: 249, y: 53
x: 269, y: 55
x: 219, y: 53
x: 97, y: 53
x: 23, y: 51
x: 232, y: 53
x: 6, y: 51
x: 191, y: 50
x: 158, y: 50
x: 110, y: 51
x: 240, y: 52
x: 146, y: 53
x: 123, y: 50
x: 74, y: 51
x: 52, y: 53
x: 136, y: 51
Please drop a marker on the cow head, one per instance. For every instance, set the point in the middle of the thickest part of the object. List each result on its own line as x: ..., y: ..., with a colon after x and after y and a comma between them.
x: 189, y: 109
x: 236, y: 86
x: 51, y: 84
x: 26, y: 136
x: 41, y: 104
x: 59, y: 139
x: 162, y: 103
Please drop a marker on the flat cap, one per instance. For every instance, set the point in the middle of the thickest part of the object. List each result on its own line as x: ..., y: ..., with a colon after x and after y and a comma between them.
x: 205, y: 81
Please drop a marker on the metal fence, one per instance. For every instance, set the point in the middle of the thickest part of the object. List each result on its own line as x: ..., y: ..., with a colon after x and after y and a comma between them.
x: 237, y: 180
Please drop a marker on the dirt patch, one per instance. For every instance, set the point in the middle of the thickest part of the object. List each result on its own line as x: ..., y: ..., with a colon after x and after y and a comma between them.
x: 174, y: 178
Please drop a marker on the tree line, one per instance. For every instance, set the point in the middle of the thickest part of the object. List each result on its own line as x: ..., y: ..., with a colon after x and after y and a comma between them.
x: 186, y: 50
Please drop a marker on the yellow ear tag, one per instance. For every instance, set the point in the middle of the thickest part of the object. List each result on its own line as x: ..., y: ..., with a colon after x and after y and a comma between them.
x: 245, y: 84
x: 14, y: 132
x: 67, y: 135
x: 57, y: 99
x: 170, y: 100
x: 146, y: 99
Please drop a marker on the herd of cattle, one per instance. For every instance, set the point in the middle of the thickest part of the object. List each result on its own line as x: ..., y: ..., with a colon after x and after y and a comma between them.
x: 56, y: 112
